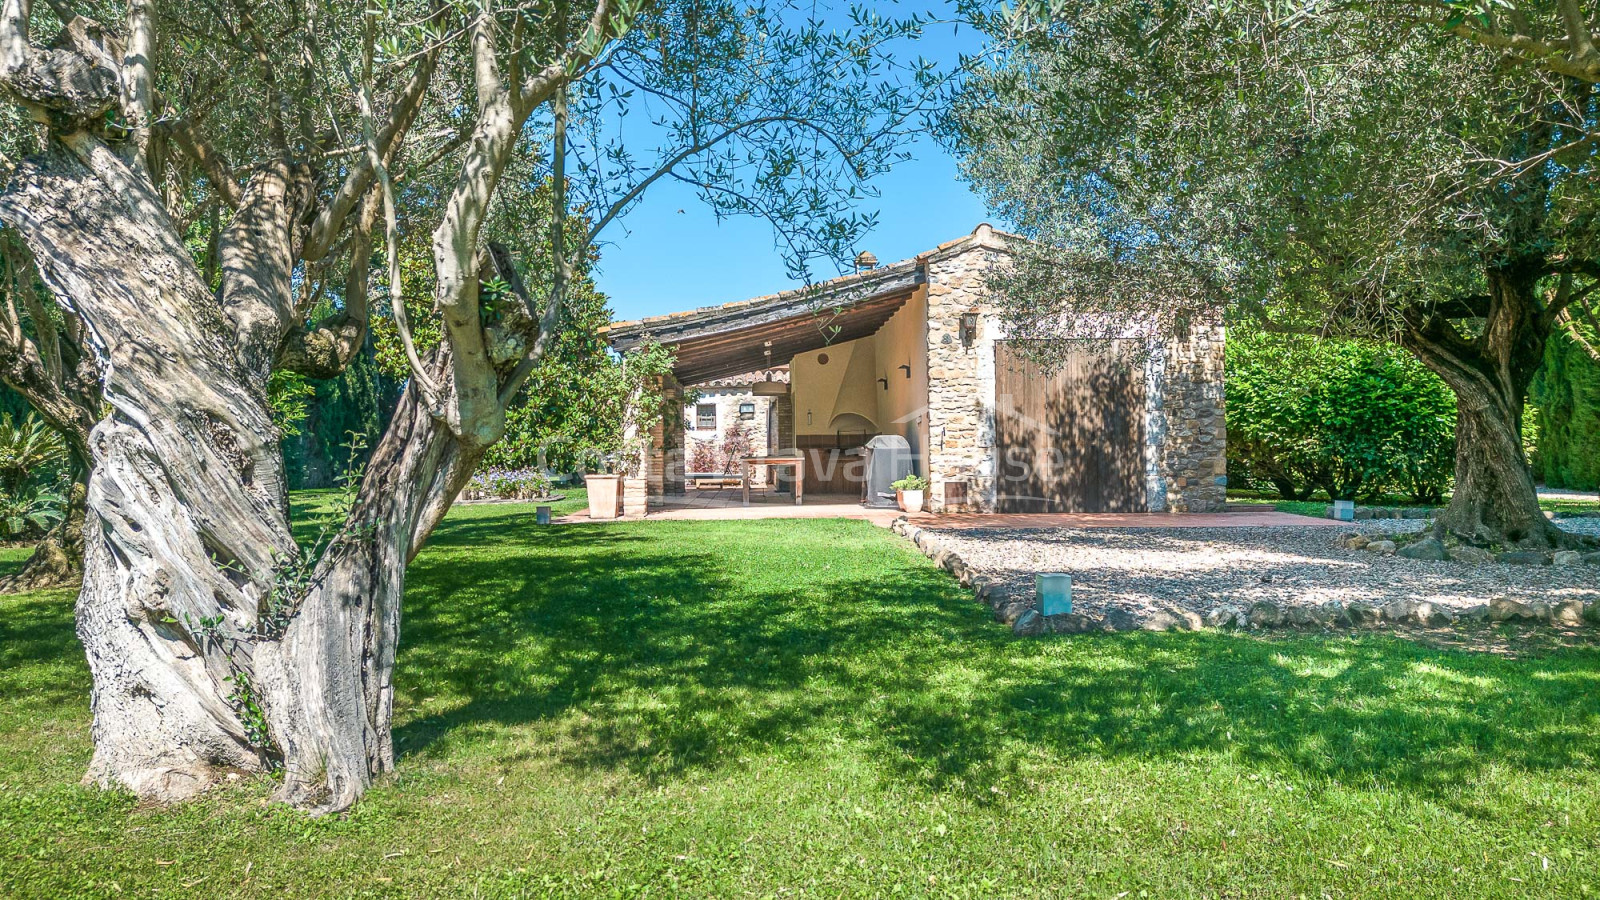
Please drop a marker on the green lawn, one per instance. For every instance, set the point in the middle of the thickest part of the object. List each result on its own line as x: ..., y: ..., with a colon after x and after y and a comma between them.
x: 12, y: 558
x: 808, y: 708
x: 1319, y: 508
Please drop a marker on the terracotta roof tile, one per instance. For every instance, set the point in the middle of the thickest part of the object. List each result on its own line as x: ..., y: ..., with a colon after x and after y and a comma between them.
x: 779, y: 375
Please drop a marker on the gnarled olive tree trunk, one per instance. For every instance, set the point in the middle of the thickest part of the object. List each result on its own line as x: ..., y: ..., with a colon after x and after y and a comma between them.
x: 214, y: 644
x: 1495, y: 500
x: 334, y: 730
x: 207, y: 654
x: 171, y: 585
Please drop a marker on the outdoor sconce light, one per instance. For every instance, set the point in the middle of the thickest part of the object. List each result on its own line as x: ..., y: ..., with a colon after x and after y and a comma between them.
x: 969, y: 329
x: 1054, y: 592
x: 908, y: 370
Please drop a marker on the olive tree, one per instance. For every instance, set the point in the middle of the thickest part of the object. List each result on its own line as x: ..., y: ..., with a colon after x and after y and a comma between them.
x: 1354, y: 176
x: 310, y: 135
x: 1557, y: 37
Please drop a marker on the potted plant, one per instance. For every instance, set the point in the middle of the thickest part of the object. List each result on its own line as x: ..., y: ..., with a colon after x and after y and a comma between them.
x: 605, y: 494
x: 908, y: 492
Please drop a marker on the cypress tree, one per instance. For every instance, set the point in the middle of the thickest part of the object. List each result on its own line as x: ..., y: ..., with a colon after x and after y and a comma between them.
x: 1567, y: 394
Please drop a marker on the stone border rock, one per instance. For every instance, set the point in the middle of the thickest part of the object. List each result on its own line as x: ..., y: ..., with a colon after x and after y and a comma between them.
x: 1006, y: 605
x: 1019, y: 609
x: 1424, y: 546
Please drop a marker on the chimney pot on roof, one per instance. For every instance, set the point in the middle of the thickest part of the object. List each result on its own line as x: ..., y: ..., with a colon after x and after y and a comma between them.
x: 865, y: 260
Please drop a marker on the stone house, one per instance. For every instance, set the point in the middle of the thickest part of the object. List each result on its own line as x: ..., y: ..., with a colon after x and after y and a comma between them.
x: 915, y: 349
x: 747, y: 402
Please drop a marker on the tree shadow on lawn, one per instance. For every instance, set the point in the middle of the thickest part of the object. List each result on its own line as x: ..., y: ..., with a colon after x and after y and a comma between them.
x: 661, y: 655
x: 673, y: 666
x: 1361, y: 710
x: 41, y: 662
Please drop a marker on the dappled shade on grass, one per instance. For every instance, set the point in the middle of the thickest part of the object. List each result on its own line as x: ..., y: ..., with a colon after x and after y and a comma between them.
x: 769, y: 637
x: 716, y: 708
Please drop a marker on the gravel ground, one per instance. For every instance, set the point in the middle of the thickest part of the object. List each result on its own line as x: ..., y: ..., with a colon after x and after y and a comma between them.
x: 1559, y: 494
x: 1198, y: 568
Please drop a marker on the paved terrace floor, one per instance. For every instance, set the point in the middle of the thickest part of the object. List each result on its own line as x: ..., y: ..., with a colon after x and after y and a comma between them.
x: 726, y: 504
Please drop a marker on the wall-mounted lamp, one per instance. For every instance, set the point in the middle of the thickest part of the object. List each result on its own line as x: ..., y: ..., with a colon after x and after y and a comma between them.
x: 969, y: 329
x: 885, y: 382
x: 907, y: 369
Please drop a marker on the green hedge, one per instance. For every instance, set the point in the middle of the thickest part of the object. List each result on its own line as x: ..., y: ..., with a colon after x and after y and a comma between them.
x: 317, y: 434
x: 1351, y: 419
x: 1566, y: 394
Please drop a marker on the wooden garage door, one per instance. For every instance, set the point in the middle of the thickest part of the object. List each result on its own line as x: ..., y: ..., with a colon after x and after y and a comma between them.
x: 1070, y: 439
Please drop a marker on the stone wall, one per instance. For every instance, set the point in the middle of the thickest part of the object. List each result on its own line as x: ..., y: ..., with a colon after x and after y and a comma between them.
x: 1186, y: 439
x: 727, y: 401
x: 960, y: 378
x: 1193, y: 455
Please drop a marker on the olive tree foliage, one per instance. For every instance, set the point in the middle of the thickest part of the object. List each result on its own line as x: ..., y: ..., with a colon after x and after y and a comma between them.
x: 1355, y: 175
x: 1556, y: 37
x: 308, y: 142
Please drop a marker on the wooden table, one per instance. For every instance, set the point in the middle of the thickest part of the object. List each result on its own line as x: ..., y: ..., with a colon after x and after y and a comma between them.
x: 798, y: 462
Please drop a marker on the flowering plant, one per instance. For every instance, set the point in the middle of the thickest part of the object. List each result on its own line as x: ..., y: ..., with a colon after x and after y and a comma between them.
x: 508, y: 484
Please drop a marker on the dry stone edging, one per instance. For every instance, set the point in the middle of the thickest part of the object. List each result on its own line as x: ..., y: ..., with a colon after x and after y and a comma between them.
x: 1431, y: 549
x: 1019, y: 609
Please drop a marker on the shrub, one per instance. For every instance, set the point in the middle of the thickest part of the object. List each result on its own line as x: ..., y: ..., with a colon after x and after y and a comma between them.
x: 579, y: 417
x: 704, y: 457
x: 33, y: 459
x: 737, y: 443
x: 911, y: 483
x: 1350, y: 418
x: 31, y: 452
x: 1565, y: 427
x: 317, y: 425
x: 32, y: 510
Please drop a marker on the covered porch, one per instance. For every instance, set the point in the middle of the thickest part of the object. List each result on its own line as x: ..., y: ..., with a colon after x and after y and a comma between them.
x: 851, y: 356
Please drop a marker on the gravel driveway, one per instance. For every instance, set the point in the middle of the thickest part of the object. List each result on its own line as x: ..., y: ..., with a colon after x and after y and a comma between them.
x: 1198, y: 568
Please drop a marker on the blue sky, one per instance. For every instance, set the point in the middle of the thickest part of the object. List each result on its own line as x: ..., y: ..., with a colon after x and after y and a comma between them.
x: 670, y: 253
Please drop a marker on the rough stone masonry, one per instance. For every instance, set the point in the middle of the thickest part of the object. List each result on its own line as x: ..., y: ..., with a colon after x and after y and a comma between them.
x: 1185, y: 434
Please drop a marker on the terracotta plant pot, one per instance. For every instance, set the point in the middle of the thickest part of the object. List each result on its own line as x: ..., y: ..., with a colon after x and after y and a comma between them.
x: 910, y: 501
x: 605, y: 496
